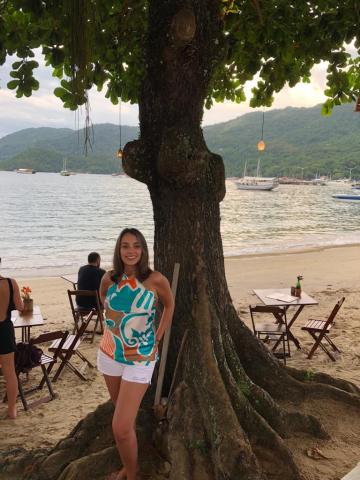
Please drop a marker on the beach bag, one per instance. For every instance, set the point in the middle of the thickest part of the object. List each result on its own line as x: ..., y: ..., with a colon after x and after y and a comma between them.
x: 27, y: 356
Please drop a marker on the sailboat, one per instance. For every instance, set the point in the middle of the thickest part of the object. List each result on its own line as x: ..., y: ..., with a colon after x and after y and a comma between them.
x: 64, y: 172
x: 258, y: 182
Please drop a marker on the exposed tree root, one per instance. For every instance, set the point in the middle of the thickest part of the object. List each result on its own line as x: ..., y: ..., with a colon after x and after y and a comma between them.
x: 272, y: 374
x: 282, y: 422
x: 187, y: 444
x: 231, y: 452
x: 240, y: 440
x: 319, y: 377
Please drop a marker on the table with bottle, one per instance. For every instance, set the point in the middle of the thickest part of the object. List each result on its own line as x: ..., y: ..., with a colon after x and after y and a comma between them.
x: 281, y: 297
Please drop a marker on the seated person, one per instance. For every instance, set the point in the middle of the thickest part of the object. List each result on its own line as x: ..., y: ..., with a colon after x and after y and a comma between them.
x: 89, y: 278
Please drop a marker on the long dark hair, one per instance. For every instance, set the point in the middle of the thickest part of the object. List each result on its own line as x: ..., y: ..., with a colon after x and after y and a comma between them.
x: 143, y: 266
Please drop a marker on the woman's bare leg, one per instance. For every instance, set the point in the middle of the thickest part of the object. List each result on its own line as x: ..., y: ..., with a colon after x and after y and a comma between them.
x: 113, y: 386
x: 8, y: 368
x: 127, y: 406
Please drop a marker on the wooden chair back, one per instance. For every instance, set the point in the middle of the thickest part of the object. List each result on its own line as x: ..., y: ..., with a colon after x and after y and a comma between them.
x: 272, y: 331
x: 333, y: 314
x: 70, y: 347
x: 48, y: 337
x: 79, y: 313
x: 72, y: 294
x: 278, y: 312
x: 319, y: 330
x: 80, y: 332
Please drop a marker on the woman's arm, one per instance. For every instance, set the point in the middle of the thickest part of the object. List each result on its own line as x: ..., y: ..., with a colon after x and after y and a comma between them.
x: 166, y: 298
x: 104, y: 285
x: 17, y: 297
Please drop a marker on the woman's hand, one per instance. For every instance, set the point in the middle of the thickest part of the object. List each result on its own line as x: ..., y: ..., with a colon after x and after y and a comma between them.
x: 166, y: 297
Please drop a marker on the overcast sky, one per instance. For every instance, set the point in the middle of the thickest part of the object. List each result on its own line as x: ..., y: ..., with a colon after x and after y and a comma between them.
x: 43, y: 109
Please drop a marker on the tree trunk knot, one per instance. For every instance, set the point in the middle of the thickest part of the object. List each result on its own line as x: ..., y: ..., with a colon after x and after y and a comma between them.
x: 135, y: 162
x: 183, y: 27
x: 181, y: 159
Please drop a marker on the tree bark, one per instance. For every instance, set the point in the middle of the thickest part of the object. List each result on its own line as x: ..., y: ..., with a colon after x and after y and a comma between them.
x: 186, y: 181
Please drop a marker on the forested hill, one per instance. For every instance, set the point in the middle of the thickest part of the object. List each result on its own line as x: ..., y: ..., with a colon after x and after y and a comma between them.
x: 296, y: 139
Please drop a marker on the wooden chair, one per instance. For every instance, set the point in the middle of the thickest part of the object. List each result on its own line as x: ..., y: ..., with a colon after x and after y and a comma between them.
x: 80, y: 313
x: 71, y: 347
x: 46, y: 364
x: 272, y: 331
x: 319, y: 330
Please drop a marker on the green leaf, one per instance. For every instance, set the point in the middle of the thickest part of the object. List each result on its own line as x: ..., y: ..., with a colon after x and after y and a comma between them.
x: 13, y: 84
x: 16, y: 65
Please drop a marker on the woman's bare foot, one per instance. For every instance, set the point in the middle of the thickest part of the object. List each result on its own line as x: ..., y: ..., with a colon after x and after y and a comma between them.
x: 120, y: 475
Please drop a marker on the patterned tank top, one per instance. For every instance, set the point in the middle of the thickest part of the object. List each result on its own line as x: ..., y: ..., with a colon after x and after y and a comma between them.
x: 129, y: 335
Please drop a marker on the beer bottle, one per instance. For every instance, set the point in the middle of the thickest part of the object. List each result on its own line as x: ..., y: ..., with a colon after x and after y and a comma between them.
x: 298, y: 287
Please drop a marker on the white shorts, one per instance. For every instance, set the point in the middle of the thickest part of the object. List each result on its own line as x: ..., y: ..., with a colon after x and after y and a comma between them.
x: 130, y: 373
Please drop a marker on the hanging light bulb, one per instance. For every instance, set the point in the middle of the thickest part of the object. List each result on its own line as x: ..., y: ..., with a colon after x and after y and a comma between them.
x: 120, y: 152
x: 261, y: 144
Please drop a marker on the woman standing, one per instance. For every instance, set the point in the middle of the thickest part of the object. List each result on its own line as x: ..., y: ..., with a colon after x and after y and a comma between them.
x: 10, y: 299
x: 128, y: 349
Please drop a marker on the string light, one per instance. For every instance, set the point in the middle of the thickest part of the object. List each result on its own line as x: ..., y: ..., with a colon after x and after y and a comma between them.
x: 261, y: 144
x: 119, y: 153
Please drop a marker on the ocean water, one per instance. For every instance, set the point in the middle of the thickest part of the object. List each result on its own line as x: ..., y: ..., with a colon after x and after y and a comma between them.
x: 49, y: 223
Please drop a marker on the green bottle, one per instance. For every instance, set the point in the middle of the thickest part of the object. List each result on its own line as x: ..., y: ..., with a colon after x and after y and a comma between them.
x: 298, y: 286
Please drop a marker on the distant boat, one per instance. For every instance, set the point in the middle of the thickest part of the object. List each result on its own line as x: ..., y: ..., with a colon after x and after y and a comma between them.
x: 346, y: 196
x: 64, y: 172
x: 320, y: 181
x: 256, y: 183
x: 355, y: 186
x: 25, y: 170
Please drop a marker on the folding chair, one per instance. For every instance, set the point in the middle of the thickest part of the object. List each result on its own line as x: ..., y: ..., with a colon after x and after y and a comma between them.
x: 70, y: 348
x: 46, y: 364
x: 80, y: 313
x: 271, y: 331
x: 319, y: 330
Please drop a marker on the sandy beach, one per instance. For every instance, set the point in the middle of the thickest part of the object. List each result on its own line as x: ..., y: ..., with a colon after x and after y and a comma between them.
x: 328, y: 273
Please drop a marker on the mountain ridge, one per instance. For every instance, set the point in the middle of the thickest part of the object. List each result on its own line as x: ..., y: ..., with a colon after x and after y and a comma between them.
x: 298, y: 139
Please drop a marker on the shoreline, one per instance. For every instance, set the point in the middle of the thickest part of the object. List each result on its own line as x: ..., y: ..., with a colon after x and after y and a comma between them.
x: 296, y: 251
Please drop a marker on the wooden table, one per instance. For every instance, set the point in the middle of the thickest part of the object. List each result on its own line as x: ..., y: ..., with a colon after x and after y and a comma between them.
x: 298, y: 305
x: 27, y: 320
x: 73, y: 278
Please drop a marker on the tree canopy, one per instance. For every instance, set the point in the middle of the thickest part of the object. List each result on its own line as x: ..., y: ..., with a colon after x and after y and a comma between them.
x: 102, y: 43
